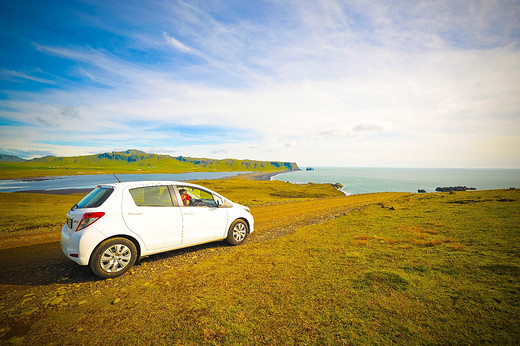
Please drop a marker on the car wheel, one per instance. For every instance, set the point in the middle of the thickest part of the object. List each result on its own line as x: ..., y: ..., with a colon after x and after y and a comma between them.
x: 238, y: 232
x: 113, y: 257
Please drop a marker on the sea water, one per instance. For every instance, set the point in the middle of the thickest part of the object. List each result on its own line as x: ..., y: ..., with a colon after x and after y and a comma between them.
x: 91, y: 181
x: 367, y: 180
x: 354, y: 180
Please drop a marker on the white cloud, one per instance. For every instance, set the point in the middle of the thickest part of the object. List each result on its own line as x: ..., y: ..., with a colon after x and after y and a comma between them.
x: 346, y: 83
x: 368, y: 127
x: 177, y: 44
x: 9, y: 74
x: 432, y: 102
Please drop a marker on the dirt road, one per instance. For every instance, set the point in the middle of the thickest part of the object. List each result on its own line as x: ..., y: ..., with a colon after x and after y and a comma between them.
x: 36, y: 275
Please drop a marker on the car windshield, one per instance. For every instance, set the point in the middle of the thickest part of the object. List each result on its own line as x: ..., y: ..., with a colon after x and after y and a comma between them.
x: 95, y: 198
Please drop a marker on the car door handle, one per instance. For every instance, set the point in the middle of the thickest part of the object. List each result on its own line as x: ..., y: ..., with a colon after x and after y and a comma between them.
x: 188, y: 213
x: 135, y: 213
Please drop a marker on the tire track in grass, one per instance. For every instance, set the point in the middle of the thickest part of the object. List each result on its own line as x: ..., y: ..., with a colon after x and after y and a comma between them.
x: 272, y: 221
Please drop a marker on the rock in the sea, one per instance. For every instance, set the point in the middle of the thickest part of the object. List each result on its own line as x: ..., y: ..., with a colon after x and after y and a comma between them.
x: 454, y: 188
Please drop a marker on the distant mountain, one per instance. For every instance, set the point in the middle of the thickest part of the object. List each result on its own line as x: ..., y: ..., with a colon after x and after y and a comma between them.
x: 10, y: 158
x: 135, y: 160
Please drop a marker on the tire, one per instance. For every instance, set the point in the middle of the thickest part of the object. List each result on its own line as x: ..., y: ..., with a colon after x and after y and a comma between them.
x: 238, y: 232
x: 113, y: 257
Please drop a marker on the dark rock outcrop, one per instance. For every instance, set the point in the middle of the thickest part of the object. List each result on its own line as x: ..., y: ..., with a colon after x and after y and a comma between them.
x: 454, y: 188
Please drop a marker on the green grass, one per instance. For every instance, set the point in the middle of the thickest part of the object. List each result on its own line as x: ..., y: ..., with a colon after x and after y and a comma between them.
x: 32, y: 213
x: 251, y: 192
x: 438, y: 269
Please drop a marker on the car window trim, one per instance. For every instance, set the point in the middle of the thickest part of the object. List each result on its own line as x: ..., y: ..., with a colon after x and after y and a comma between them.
x: 173, y: 195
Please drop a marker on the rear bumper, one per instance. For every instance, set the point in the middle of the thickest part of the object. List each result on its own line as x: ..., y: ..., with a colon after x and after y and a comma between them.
x: 78, y: 246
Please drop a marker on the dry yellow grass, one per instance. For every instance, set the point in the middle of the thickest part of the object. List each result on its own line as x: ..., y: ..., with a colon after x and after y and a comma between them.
x: 428, y: 270
x: 298, y: 213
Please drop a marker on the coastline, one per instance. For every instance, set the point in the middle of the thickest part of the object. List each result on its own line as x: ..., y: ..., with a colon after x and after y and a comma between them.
x: 359, y: 180
x: 259, y: 176
x: 354, y: 180
x: 58, y: 191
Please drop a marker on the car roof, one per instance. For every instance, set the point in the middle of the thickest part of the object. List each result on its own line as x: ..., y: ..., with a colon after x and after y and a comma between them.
x: 130, y: 184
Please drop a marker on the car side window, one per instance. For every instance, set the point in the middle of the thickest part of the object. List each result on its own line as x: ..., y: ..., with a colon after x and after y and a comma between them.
x: 193, y: 197
x: 152, y: 196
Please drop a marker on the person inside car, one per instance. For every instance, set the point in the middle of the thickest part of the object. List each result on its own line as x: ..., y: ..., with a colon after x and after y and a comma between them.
x: 185, y: 197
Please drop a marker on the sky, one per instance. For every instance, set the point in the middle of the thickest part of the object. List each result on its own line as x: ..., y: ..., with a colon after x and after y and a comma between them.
x: 322, y: 83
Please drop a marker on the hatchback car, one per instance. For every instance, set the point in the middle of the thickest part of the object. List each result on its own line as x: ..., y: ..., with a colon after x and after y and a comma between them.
x: 116, y: 224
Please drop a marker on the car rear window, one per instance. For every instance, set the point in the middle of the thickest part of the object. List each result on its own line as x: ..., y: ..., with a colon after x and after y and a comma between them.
x: 95, y: 198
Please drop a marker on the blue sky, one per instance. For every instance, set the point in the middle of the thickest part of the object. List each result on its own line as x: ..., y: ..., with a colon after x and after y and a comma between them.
x: 322, y: 83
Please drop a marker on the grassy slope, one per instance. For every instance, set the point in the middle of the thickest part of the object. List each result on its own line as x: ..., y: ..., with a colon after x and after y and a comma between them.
x: 439, y: 269
x: 251, y: 193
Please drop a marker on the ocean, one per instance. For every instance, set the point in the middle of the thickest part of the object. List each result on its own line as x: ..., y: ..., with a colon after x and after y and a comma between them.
x: 367, y: 180
x: 354, y: 180
x: 91, y: 181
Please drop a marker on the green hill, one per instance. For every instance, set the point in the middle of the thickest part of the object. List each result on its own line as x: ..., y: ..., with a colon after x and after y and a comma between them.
x: 10, y: 158
x: 132, y: 161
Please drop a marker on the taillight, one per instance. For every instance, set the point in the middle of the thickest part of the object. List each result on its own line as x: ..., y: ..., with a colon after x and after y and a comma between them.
x: 88, y: 219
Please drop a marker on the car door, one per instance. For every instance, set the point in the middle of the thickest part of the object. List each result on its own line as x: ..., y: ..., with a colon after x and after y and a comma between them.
x: 152, y: 213
x: 203, y: 219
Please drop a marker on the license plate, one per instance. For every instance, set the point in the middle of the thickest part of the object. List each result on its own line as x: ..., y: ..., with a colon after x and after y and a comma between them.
x: 69, y: 223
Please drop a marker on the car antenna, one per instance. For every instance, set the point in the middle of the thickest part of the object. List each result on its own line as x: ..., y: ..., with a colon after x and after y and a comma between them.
x: 116, y: 178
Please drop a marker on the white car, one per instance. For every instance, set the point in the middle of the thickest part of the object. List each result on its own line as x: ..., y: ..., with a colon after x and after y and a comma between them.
x: 116, y: 224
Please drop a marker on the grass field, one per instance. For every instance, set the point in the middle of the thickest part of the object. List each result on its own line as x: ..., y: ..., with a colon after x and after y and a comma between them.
x: 396, y: 268
x: 32, y: 213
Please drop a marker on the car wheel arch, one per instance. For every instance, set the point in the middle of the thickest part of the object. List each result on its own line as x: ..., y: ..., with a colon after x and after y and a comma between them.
x: 247, y: 223
x: 126, y: 236
x: 236, y: 234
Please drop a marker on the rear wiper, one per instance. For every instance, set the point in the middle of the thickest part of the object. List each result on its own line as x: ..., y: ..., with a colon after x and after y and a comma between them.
x: 74, y: 207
